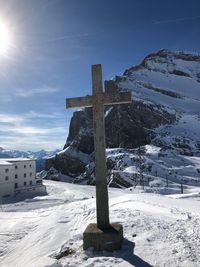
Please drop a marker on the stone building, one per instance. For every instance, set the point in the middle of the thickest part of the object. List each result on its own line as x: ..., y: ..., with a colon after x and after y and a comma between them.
x: 18, y: 175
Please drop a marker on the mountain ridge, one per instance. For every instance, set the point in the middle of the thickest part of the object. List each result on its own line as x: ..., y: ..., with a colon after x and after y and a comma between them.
x: 38, y: 155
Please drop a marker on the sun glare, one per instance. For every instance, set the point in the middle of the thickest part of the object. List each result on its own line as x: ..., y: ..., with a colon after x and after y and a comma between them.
x: 5, y: 39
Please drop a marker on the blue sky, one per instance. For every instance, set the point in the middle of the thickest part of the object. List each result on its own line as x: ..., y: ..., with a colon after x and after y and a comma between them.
x: 55, y: 42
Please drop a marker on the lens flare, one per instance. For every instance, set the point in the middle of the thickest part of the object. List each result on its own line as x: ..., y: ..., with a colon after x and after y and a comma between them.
x: 5, y: 39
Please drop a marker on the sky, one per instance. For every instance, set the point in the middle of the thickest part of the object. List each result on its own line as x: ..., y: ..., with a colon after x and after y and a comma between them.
x: 53, y: 44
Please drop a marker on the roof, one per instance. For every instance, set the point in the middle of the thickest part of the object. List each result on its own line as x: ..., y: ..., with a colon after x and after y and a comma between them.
x: 3, y: 162
x: 18, y: 159
x: 10, y: 161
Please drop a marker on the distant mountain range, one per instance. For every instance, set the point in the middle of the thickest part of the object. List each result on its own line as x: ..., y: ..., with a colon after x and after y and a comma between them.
x: 38, y: 155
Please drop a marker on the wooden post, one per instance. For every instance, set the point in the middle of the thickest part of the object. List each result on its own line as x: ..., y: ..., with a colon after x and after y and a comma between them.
x: 167, y: 181
x: 181, y: 188
x: 100, y: 149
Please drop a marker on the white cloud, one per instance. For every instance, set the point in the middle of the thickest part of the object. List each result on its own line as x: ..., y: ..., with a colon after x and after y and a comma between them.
x: 5, y: 98
x: 69, y: 36
x: 31, y: 130
x: 31, y: 143
x: 18, y: 131
x: 176, y: 20
x: 33, y: 114
x: 11, y: 118
x: 36, y: 91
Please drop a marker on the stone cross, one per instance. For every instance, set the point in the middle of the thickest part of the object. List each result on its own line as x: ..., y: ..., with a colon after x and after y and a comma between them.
x: 97, y: 101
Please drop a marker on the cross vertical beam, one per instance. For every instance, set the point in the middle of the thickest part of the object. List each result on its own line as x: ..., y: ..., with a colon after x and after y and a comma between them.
x: 100, y: 149
x: 103, y: 235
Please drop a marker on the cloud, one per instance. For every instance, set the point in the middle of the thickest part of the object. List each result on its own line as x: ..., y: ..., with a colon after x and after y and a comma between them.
x: 20, y: 132
x: 5, y: 98
x: 36, y: 91
x: 69, y: 36
x: 31, y: 130
x: 33, y: 114
x: 175, y: 20
x: 11, y: 118
x: 21, y: 124
x: 16, y: 142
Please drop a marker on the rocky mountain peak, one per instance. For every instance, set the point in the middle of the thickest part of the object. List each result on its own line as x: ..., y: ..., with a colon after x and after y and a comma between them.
x: 169, y: 62
x: 164, y: 112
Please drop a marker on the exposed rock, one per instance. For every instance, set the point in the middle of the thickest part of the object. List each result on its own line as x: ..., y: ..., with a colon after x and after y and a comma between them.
x: 80, y: 131
x: 180, y: 73
x: 70, y: 161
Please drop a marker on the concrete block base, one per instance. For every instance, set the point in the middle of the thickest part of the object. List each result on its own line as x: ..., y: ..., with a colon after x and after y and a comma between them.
x: 108, y: 239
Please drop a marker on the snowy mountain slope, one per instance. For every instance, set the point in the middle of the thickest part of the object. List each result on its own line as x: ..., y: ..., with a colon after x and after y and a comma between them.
x: 153, y: 167
x: 19, y: 154
x: 159, y: 231
x: 171, y: 80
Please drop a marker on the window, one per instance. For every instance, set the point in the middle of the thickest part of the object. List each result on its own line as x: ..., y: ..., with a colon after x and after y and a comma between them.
x: 16, y: 167
x: 24, y: 166
x: 31, y: 183
x: 30, y: 173
x: 6, y: 170
x: 39, y: 182
x: 6, y: 196
x: 24, y: 175
x: 24, y: 183
x: 16, y: 185
x: 30, y: 165
x: 6, y: 178
x: 16, y: 176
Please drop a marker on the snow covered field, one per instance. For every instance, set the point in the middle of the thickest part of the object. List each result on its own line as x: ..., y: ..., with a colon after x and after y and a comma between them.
x: 159, y: 230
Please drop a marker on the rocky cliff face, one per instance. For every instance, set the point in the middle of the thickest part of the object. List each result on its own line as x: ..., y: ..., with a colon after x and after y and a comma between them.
x: 164, y: 112
x: 127, y: 126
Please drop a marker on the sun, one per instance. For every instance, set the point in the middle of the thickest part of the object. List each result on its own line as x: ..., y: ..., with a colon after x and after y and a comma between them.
x: 5, y: 38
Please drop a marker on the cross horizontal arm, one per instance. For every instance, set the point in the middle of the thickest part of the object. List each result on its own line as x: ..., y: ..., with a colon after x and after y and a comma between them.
x: 119, y: 98
x: 79, y: 102
x: 108, y: 99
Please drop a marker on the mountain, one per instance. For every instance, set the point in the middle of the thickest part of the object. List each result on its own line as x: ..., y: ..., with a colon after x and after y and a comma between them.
x: 38, y: 155
x: 164, y: 117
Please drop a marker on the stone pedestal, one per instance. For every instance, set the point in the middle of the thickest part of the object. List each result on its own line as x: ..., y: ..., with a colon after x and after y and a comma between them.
x: 107, y: 239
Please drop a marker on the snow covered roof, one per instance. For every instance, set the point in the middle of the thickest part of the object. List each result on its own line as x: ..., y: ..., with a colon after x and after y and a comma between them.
x: 10, y: 161
x: 4, y: 162
x: 18, y: 159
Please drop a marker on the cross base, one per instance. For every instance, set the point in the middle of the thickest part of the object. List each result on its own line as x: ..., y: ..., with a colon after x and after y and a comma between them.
x: 108, y: 239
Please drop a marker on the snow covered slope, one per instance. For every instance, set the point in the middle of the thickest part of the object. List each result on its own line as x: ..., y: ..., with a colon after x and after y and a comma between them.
x: 172, y: 81
x: 158, y: 230
x: 154, y: 168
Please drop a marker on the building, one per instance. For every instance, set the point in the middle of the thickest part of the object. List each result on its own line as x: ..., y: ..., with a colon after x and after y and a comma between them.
x: 18, y: 175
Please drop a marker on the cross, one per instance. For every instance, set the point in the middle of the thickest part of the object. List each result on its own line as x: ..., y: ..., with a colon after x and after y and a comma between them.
x: 97, y: 101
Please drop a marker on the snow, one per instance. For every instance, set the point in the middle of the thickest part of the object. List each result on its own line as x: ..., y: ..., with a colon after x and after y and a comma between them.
x: 108, y: 111
x: 158, y: 230
x: 159, y: 165
x: 189, y: 195
x: 76, y: 154
x: 4, y: 162
x: 24, y: 154
x: 16, y: 159
x: 146, y: 83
